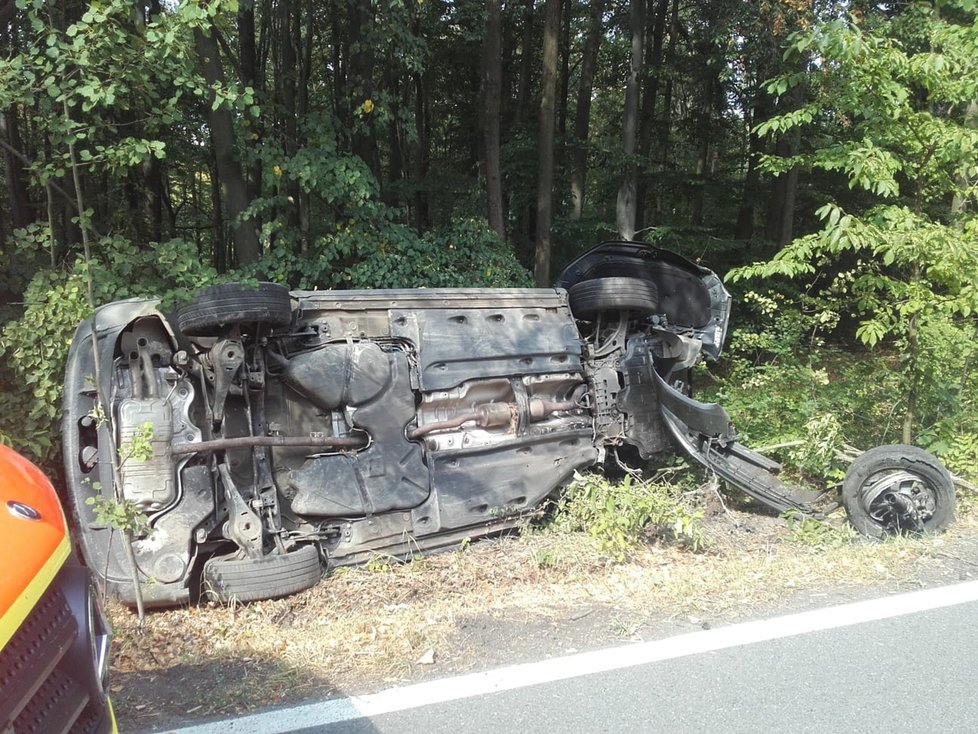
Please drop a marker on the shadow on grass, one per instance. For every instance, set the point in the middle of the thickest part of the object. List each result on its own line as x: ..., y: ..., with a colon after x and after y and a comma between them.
x: 185, y: 693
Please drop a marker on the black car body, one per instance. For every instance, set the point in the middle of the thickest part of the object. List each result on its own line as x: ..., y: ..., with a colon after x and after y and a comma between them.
x: 293, y: 432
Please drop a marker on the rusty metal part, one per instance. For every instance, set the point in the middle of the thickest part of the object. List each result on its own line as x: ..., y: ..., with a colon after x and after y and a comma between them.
x: 245, y: 442
x: 501, y: 414
x: 226, y: 356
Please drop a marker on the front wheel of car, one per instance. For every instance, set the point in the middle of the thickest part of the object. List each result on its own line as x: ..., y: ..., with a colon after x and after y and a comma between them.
x: 227, y: 304
x: 898, y: 489
x: 592, y: 297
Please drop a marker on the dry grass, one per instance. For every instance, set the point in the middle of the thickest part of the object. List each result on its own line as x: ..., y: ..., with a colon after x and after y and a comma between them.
x: 369, y: 626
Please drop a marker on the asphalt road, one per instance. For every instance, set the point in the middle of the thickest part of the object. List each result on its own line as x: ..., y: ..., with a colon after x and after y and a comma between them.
x: 904, y: 663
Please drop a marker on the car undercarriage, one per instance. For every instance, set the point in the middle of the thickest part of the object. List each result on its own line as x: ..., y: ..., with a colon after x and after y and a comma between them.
x: 270, y: 435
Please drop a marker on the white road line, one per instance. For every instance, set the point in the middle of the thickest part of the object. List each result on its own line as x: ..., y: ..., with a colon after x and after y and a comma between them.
x: 284, y: 720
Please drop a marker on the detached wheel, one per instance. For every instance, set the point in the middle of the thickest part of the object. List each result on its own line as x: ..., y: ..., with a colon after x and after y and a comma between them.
x: 591, y: 297
x: 252, y: 579
x: 898, y: 489
x: 218, y: 306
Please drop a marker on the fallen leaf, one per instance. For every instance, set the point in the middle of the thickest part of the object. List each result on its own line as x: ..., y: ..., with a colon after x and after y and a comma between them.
x: 428, y: 658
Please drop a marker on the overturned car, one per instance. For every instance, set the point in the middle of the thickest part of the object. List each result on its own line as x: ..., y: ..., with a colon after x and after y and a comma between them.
x: 281, y: 434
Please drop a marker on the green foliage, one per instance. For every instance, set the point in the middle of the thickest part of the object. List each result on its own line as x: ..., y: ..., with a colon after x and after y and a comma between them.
x: 896, y: 117
x: 139, y: 446
x: 771, y: 380
x: 782, y: 384
x: 816, y: 457
x: 960, y: 453
x: 104, y: 67
x: 616, y: 514
x: 34, y: 346
x: 547, y: 558
x: 34, y: 349
x: 905, y: 266
x: 121, y: 515
x: 23, y: 255
x: 383, y: 254
x: 466, y: 254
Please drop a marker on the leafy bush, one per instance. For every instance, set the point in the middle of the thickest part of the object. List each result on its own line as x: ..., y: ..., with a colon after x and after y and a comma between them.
x: 816, y: 457
x: 782, y: 383
x: 383, y: 254
x: 34, y: 346
x: 770, y: 380
x: 960, y: 454
x: 615, y: 514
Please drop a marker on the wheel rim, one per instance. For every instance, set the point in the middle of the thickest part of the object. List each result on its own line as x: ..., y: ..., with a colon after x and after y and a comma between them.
x: 898, y: 500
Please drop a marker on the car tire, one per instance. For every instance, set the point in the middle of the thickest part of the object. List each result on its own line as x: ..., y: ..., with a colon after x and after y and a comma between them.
x: 219, y: 306
x: 909, y: 470
x: 591, y: 297
x: 233, y: 579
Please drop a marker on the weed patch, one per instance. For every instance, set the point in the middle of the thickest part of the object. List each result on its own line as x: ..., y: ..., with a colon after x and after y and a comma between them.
x: 615, y: 514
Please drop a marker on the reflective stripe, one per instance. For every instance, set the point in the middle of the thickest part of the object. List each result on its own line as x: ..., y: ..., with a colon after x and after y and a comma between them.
x: 108, y: 704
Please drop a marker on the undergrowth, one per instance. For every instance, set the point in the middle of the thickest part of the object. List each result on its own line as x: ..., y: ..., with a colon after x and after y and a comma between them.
x: 792, y: 378
x: 617, y: 514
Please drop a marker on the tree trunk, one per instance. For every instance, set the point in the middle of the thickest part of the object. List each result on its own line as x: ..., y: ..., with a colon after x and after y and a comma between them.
x: 361, y: 85
x: 704, y: 126
x: 650, y: 98
x: 565, y: 51
x: 492, y: 92
x: 248, y: 64
x: 625, y: 210
x: 781, y: 212
x: 247, y: 249
x: 526, y: 63
x: 582, y: 116
x: 912, y: 374
x: 752, y: 178
x: 545, y: 177
x: 288, y: 39
x: 218, y: 246
x: 663, y: 126
x: 302, y: 110
x: 21, y: 209
x: 395, y: 154
x: 152, y: 171
x: 421, y: 160
x: 781, y: 208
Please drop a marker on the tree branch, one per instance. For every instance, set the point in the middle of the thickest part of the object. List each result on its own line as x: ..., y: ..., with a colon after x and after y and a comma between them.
x: 29, y: 163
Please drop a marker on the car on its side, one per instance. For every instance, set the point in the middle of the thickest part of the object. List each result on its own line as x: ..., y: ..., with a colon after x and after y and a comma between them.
x: 54, y: 638
x: 283, y: 433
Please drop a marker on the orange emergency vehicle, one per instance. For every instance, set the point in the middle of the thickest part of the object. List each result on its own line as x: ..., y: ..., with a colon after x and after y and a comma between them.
x: 54, y: 640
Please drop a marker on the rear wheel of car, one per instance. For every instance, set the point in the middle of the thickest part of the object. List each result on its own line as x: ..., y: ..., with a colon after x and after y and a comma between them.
x: 227, y: 304
x: 898, y: 489
x: 250, y: 579
x: 591, y: 297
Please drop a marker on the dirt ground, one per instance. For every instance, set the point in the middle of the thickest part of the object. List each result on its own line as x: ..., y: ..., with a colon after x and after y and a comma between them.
x: 503, y: 601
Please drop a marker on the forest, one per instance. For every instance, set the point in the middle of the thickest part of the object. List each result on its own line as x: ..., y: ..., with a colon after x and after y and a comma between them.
x: 821, y: 155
